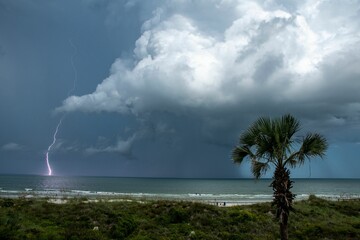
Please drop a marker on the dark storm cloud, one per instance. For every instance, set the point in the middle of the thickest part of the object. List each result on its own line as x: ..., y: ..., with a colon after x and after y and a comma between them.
x: 292, y: 60
x: 186, y: 77
x: 259, y: 59
x: 123, y: 147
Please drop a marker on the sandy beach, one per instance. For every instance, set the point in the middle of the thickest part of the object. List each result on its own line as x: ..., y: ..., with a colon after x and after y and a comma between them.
x: 62, y: 197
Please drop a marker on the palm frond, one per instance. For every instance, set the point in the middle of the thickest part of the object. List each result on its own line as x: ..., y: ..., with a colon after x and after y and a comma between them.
x: 265, y: 147
x: 258, y: 136
x: 291, y: 161
x: 240, y: 153
x: 284, y: 130
x: 290, y: 126
x: 251, y: 136
x: 313, y: 145
x: 259, y: 168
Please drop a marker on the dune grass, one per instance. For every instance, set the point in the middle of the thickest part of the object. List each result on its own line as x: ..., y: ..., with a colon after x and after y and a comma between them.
x: 39, y: 219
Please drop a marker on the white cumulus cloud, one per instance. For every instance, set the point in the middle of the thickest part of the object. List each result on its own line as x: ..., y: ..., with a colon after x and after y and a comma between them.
x: 238, y: 56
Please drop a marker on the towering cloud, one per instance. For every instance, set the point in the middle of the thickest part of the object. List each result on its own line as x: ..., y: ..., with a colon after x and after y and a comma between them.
x: 243, y: 57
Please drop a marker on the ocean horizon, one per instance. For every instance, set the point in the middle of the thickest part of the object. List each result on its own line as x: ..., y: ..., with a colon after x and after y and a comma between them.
x: 230, y: 190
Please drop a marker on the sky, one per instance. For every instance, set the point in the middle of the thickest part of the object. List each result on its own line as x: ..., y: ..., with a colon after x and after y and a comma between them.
x: 164, y: 88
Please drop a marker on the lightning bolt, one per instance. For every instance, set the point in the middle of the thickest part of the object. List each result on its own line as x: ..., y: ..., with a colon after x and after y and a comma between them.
x: 62, y: 118
x: 51, y: 145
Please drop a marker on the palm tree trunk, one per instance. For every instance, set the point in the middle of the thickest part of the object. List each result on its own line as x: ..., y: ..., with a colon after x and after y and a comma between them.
x: 283, y: 198
x: 284, y: 227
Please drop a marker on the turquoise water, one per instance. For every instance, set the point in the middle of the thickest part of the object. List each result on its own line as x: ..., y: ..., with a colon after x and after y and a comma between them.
x: 232, y: 190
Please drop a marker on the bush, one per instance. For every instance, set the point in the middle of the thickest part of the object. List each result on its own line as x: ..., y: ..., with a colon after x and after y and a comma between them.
x: 123, y: 228
x: 39, y: 219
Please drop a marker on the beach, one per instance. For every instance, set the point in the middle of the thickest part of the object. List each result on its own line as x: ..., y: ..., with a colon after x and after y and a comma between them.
x: 42, y: 207
x: 62, y: 197
x: 211, y: 191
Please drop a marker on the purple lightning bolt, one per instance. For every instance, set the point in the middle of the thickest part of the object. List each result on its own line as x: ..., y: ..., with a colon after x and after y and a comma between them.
x: 59, y: 124
x: 50, y: 146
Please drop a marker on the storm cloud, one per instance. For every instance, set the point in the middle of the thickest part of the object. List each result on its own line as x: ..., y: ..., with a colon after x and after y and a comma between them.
x: 164, y: 88
x: 266, y: 59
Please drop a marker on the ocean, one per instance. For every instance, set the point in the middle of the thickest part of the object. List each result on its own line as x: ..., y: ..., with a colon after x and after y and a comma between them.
x: 232, y: 191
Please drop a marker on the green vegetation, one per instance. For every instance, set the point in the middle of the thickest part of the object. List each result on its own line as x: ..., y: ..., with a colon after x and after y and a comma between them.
x: 76, y: 219
x: 272, y: 142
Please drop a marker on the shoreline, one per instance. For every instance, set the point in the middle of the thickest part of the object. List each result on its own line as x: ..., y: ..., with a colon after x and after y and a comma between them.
x: 62, y: 197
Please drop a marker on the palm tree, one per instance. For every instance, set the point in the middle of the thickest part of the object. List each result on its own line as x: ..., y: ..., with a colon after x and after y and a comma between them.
x: 272, y: 142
